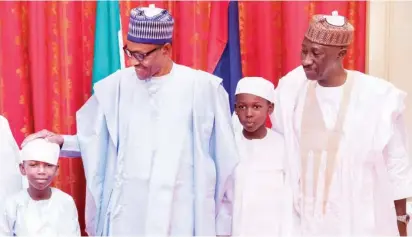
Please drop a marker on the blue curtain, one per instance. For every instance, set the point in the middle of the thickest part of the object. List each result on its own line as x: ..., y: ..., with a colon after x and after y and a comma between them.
x: 229, y: 67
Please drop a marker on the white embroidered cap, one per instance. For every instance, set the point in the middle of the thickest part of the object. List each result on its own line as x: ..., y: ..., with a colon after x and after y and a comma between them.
x: 256, y: 86
x: 41, y: 150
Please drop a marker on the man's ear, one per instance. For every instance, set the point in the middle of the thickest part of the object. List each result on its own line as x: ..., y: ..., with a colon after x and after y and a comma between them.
x: 342, y: 52
x: 167, y: 49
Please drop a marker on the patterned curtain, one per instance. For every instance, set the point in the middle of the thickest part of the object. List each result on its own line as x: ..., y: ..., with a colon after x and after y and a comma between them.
x: 45, y: 74
x: 271, y: 34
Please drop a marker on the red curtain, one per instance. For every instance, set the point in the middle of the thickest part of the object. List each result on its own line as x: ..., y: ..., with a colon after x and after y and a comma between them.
x: 47, y: 52
x: 271, y: 34
x: 45, y: 74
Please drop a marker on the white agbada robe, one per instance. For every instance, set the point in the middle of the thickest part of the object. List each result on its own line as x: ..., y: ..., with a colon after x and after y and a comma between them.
x: 158, y: 155
x: 373, y: 167
x: 263, y: 204
x: 24, y: 216
x: 10, y: 177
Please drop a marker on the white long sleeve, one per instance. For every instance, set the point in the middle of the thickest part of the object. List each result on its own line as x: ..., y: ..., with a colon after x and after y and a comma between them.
x: 70, y: 146
x: 398, y: 161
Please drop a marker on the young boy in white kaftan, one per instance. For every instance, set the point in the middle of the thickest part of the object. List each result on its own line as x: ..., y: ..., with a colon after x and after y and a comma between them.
x: 39, y: 210
x: 262, y: 204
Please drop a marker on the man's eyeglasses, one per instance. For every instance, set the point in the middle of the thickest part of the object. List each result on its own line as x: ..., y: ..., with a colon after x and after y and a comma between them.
x: 137, y: 55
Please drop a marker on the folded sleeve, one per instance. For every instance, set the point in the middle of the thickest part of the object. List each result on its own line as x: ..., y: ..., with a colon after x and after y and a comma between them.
x: 70, y: 146
x: 398, y: 161
x: 226, y: 158
x: 396, y: 151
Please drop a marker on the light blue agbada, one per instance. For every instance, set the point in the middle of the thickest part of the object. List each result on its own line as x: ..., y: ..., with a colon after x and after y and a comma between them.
x: 158, y: 155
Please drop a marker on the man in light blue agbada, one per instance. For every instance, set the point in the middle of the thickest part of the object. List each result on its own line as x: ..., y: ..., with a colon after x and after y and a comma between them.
x: 156, y: 141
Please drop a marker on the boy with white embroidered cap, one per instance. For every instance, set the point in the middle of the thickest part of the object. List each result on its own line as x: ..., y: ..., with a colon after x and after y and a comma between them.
x: 39, y: 210
x: 262, y: 201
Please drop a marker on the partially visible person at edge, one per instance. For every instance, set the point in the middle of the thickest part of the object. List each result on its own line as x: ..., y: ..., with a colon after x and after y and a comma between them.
x: 10, y: 178
x: 263, y: 203
x: 345, y: 137
x: 156, y: 141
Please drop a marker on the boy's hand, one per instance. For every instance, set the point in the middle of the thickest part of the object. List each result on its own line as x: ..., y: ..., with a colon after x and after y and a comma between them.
x: 49, y: 136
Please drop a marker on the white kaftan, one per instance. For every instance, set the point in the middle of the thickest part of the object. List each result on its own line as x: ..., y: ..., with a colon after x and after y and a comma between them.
x: 10, y: 177
x: 372, y: 164
x: 158, y: 154
x: 263, y: 203
x: 23, y: 216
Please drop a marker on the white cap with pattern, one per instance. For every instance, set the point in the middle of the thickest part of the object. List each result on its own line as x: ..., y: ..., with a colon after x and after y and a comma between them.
x: 150, y: 25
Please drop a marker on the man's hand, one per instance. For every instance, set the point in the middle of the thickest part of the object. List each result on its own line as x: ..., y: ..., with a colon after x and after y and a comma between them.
x: 400, y: 206
x: 46, y: 134
x: 402, y: 227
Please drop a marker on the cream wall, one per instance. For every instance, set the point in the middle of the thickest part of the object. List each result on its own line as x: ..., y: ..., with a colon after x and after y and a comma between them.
x: 390, y: 47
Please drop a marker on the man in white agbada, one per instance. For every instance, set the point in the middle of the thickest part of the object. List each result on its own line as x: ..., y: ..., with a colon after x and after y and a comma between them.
x: 39, y: 210
x: 346, y: 138
x: 10, y: 178
x: 156, y: 141
x: 263, y: 204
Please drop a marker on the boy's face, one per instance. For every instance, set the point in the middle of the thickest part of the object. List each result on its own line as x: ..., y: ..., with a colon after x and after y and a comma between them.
x: 39, y: 174
x: 252, y: 111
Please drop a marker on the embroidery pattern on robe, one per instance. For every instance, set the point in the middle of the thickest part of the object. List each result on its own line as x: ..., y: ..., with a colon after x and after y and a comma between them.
x: 316, y: 142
